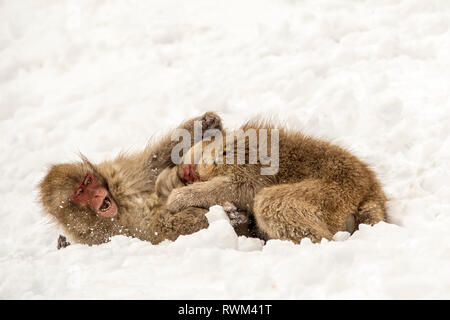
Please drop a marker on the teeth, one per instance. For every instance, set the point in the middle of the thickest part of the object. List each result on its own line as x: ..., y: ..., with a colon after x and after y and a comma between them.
x: 106, y: 204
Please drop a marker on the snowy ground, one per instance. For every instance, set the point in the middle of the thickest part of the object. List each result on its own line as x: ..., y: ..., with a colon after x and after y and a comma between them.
x: 103, y: 76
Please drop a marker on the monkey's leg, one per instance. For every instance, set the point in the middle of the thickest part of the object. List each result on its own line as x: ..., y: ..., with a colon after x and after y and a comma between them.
x: 371, y: 211
x: 311, y: 208
x: 171, y: 226
x: 193, y: 219
x: 186, y: 221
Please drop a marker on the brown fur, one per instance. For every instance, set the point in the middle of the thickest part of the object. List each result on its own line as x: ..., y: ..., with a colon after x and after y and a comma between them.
x: 130, y: 180
x: 320, y: 189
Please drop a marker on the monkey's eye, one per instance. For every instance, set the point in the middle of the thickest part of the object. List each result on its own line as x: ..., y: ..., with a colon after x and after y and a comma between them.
x: 87, y: 180
x: 79, y: 191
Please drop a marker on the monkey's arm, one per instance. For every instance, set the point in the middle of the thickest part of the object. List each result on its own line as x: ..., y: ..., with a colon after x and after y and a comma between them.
x: 160, y: 153
x: 216, y: 191
x: 167, y: 181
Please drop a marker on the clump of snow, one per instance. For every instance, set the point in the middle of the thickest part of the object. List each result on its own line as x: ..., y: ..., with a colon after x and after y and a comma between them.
x: 101, y: 77
x: 220, y: 234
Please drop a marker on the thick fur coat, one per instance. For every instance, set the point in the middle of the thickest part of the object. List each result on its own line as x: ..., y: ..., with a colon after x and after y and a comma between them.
x: 130, y: 179
x: 319, y: 189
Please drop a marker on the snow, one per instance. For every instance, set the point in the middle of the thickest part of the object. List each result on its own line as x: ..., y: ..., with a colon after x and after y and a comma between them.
x: 104, y: 76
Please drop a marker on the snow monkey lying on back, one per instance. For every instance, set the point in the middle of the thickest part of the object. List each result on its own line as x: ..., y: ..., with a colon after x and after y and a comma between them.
x: 96, y: 202
x: 318, y: 190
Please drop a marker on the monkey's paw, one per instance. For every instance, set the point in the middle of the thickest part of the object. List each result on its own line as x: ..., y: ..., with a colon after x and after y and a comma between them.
x: 236, y: 217
x: 211, y: 120
x: 177, y: 200
x: 62, y: 242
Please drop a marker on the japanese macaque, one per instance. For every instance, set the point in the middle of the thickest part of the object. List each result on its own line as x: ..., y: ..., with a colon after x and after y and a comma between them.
x: 95, y: 202
x: 316, y: 189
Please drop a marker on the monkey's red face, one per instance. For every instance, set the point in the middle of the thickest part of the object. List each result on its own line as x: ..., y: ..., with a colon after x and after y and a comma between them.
x: 94, y: 195
x: 189, y: 174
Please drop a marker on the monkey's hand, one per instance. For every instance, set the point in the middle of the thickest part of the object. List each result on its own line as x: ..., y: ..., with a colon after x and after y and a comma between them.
x: 209, y: 120
x: 62, y: 242
x: 167, y: 180
x: 161, y: 153
x: 242, y: 221
x: 179, y: 199
x: 236, y: 216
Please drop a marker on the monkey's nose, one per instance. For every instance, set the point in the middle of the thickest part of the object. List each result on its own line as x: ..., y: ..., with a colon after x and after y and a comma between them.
x: 100, y: 193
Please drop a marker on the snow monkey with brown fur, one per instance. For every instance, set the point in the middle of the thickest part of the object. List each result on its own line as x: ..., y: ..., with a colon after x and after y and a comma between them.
x: 95, y: 202
x: 318, y: 190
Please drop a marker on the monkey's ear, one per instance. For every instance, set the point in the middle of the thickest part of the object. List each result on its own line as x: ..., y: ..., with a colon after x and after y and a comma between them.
x: 89, y: 165
x: 84, y: 159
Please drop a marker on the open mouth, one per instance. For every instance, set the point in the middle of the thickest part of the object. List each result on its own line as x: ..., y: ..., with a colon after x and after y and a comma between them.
x: 107, y: 208
x: 106, y: 204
